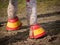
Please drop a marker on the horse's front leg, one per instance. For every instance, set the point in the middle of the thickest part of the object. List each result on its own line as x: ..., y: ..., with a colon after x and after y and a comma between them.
x: 12, y: 9
x: 36, y: 31
x: 13, y: 21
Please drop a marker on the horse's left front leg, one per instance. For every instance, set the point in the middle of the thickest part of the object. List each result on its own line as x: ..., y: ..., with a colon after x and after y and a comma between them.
x: 13, y: 21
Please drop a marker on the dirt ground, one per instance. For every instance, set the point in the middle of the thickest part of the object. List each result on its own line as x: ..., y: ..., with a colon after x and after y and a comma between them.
x: 50, y: 22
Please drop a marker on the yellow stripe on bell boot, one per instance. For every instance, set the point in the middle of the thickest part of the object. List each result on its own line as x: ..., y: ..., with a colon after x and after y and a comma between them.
x: 36, y: 31
x: 13, y: 24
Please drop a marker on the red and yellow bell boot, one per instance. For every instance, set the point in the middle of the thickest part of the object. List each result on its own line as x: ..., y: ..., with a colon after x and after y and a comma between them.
x: 13, y: 24
x: 36, y: 32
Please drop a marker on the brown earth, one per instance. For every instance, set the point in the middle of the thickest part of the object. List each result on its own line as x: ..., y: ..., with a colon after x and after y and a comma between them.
x: 50, y: 22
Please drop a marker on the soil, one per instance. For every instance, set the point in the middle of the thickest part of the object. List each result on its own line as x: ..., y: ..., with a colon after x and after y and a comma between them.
x: 50, y: 22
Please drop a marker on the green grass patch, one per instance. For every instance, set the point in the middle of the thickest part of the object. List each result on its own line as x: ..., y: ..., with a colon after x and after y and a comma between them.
x: 41, y: 4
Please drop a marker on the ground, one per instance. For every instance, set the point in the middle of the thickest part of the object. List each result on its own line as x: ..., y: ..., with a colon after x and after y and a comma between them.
x: 48, y: 18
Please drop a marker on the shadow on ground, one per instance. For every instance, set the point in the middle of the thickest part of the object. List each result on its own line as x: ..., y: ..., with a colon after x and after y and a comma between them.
x: 20, y: 36
x: 44, y: 15
x: 52, y: 28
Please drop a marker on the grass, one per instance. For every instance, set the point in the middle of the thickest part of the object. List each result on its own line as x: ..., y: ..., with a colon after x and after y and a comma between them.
x: 42, y: 6
x: 47, y: 5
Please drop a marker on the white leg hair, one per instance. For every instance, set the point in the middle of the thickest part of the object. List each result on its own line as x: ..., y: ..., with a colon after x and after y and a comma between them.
x: 12, y: 8
x: 31, y: 12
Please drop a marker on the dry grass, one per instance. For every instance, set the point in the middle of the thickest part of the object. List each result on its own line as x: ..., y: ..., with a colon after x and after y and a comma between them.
x: 43, y: 6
